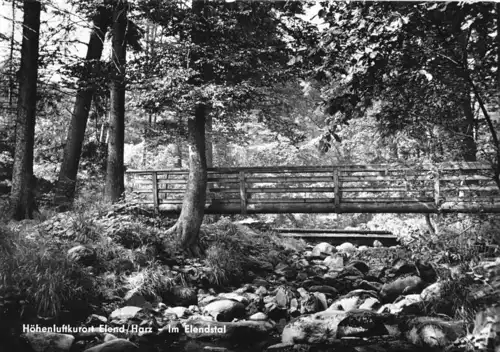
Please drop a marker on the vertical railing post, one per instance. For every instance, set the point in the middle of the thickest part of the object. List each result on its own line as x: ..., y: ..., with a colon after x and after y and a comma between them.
x: 243, y: 194
x: 336, y: 190
x: 154, y: 180
x: 437, y: 189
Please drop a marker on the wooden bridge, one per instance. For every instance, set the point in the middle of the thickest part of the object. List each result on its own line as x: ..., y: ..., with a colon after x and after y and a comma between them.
x: 430, y: 188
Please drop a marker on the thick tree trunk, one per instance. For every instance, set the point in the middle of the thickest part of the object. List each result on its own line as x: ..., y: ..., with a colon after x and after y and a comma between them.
x: 114, y: 171
x: 469, y: 147
x: 22, y: 192
x: 66, y: 183
x: 188, y: 225
x: 193, y: 207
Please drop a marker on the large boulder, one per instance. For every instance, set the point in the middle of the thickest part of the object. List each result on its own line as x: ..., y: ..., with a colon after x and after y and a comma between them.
x: 225, y: 310
x: 409, y: 304
x: 116, y: 345
x: 433, y: 333
x: 362, y: 323
x: 49, y: 342
x: 122, y: 315
x: 334, y: 262
x: 83, y: 255
x: 401, y: 286
x: 433, y: 292
x: 352, y: 300
x: 318, y: 328
x: 346, y: 247
x: 323, y: 248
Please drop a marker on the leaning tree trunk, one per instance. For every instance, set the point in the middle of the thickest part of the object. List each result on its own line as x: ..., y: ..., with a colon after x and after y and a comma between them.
x: 66, y: 183
x: 22, y: 192
x: 188, y: 225
x: 115, y: 169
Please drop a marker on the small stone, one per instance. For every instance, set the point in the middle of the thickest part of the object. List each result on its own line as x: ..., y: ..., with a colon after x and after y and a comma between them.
x: 180, y: 312
x: 225, y: 310
x: 258, y: 316
x: 125, y: 313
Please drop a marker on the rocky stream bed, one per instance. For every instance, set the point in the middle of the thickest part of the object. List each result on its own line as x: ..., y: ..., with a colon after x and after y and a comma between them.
x: 321, y: 299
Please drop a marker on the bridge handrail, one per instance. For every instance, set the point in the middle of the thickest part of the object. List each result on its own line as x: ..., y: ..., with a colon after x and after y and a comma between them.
x: 476, y: 165
x: 347, y: 187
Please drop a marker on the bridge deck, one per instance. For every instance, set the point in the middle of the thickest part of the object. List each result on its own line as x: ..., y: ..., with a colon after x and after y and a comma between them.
x: 445, y: 187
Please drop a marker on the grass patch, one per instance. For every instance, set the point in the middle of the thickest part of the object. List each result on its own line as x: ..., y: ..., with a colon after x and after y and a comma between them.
x: 43, y: 274
x: 152, y: 282
x: 235, y: 250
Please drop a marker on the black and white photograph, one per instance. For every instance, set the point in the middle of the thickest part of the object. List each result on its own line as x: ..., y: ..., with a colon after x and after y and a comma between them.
x: 249, y: 176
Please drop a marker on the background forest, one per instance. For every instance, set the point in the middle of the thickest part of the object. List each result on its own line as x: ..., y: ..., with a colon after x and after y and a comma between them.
x: 89, y: 90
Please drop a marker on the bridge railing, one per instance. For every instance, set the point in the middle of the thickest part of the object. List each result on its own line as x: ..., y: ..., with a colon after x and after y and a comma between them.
x: 443, y: 187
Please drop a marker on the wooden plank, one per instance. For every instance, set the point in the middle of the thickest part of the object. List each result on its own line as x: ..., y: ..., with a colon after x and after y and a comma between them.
x: 289, y: 179
x: 350, y: 231
x: 472, y: 188
x: 373, y: 189
x: 437, y: 192
x: 322, y: 168
x: 388, y: 200
x: 337, y: 235
x: 243, y: 196
x: 155, y: 191
x: 465, y: 178
x: 290, y: 190
x: 336, y: 185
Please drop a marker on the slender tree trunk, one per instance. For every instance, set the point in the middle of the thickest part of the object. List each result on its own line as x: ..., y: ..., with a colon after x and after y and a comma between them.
x: 11, y: 57
x: 22, y: 192
x: 115, y: 169
x: 498, y: 50
x: 193, y: 207
x: 209, y: 147
x: 66, y: 183
x: 178, y: 153
x: 145, y: 140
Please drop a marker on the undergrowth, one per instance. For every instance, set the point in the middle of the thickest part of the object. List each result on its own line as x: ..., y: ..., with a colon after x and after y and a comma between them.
x: 235, y: 251
x: 45, y: 276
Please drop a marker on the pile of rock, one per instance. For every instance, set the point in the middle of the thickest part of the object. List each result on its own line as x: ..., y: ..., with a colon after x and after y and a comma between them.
x: 316, y: 299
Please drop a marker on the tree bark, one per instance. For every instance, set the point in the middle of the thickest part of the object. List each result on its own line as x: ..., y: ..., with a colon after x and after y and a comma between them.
x: 66, y: 183
x: 115, y: 187
x: 469, y: 147
x: 188, y: 225
x: 23, y: 201
x: 209, y: 147
x: 11, y: 57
